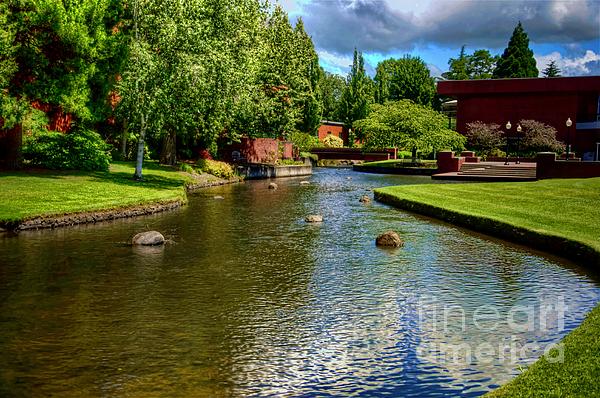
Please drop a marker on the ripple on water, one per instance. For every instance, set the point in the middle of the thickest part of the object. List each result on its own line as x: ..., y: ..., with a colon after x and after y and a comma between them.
x: 250, y: 300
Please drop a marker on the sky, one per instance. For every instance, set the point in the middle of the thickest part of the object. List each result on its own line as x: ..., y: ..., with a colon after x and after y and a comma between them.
x: 567, y: 32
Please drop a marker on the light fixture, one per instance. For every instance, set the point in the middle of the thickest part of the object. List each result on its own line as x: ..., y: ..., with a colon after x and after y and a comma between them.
x: 569, y: 123
x: 508, y: 125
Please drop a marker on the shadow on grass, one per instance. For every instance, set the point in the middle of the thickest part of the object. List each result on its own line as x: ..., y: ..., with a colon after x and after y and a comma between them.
x: 149, y: 180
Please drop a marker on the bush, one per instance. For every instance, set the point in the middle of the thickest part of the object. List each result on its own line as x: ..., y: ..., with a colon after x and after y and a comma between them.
x: 304, y: 142
x: 312, y: 156
x: 216, y: 168
x: 484, y: 138
x: 332, y: 141
x: 539, y: 137
x: 79, y: 150
x: 187, y: 168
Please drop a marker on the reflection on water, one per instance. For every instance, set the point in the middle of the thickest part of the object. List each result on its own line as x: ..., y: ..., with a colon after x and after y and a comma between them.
x: 251, y: 300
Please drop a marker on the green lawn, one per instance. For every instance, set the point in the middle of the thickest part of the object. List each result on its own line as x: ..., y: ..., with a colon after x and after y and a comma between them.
x: 27, y: 194
x: 568, y: 209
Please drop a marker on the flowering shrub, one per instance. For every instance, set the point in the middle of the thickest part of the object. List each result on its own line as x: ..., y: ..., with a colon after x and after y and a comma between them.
x: 484, y: 138
x: 539, y: 137
x: 332, y: 141
x: 216, y: 168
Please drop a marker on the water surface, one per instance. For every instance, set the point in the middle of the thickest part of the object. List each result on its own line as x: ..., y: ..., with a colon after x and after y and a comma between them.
x: 249, y: 300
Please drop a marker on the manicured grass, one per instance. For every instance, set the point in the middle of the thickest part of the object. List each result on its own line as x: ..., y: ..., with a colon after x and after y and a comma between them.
x: 27, y: 194
x: 568, y: 209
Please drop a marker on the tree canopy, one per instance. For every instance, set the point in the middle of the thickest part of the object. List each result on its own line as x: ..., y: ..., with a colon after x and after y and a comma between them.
x: 404, y: 124
x: 517, y: 59
x: 479, y: 65
x: 405, y: 78
x: 332, y: 89
x: 358, y: 93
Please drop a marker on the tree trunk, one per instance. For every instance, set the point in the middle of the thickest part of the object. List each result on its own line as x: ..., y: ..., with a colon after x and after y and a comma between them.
x: 168, y: 154
x: 140, y: 151
x: 124, y: 143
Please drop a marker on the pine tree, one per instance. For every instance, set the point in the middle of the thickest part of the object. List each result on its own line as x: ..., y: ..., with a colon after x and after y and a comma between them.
x: 458, y: 67
x: 517, y: 59
x: 551, y: 70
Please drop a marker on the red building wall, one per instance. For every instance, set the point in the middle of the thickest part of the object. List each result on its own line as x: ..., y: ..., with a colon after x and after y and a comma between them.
x: 336, y: 129
x: 548, y: 100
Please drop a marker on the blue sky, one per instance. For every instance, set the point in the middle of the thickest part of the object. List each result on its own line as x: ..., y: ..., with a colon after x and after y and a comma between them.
x: 567, y: 32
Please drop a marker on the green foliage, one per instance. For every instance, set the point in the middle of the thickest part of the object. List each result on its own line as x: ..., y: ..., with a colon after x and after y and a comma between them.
x: 79, y: 150
x: 312, y: 156
x: 216, y: 168
x: 479, y: 65
x: 358, y: 92
x: 303, y: 141
x: 551, y: 70
x: 484, y: 138
x: 187, y: 168
x: 405, y: 78
x: 332, y: 89
x: 289, y: 162
x: 517, y: 59
x: 333, y: 141
x: 404, y: 124
x: 66, y: 54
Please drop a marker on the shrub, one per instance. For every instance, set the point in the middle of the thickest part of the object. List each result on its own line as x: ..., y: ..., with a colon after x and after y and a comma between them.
x: 303, y: 141
x: 332, y: 141
x: 309, y: 155
x: 79, y: 150
x: 539, y: 137
x: 216, y: 168
x: 187, y: 168
x: 484, y: 138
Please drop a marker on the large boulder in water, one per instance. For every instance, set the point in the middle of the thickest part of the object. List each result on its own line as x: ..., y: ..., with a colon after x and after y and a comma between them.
x: 364, y: 199
x: 314, y: 218
x: 273, y: 186
x: 150, y: 238
x: 389, y: 239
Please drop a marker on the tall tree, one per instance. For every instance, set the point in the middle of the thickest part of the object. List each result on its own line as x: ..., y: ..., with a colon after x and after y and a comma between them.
x: 405, y: 78
x: 517, y: 59
x: 458, y: 67
x: 481, y: 64
x: 551, y: 70
x: 332, y: 88
x: 358, y: 93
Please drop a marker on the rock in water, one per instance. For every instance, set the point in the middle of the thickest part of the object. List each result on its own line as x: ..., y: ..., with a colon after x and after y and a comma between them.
x: 365, y: 199
x: 218, y: 197
x: 273, y: 186
x: 314, y: 218
x: 389, y: 239
x: 150, y: 238
x: 304, y: 182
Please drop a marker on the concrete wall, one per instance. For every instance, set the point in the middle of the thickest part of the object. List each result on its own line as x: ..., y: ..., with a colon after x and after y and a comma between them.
x: 260, y: 171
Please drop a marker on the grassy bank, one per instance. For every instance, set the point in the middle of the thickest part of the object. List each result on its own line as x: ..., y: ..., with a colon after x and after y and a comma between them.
x: 33, y: 193
x: 556, y: 215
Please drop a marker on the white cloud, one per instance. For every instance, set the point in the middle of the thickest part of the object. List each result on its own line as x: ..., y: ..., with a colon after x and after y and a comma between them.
x: 588, y: 63
x: 335, y: 63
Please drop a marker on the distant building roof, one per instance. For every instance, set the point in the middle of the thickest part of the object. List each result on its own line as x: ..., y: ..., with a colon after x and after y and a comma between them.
x: 512, y: 86
x: 331, y: 123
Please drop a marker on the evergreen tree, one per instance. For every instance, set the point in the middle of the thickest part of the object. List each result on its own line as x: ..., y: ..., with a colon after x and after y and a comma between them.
x: 551, y: 70
x: 481, y: 64
x: 517, y: 59
x: 357, y: 94
x: 405, y: 78
x: 458, y: 67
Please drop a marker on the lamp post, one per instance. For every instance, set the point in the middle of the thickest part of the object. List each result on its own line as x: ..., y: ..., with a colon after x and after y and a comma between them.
x: 508, y: 126
x: 519, y: 129
x: 568, y: 123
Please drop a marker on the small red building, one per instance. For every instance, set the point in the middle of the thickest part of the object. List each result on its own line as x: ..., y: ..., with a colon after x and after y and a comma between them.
x: 548, y: 100
x: 333, y: 128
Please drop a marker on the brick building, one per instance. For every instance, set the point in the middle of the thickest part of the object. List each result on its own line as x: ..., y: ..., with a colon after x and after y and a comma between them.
x: 548, y: 100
